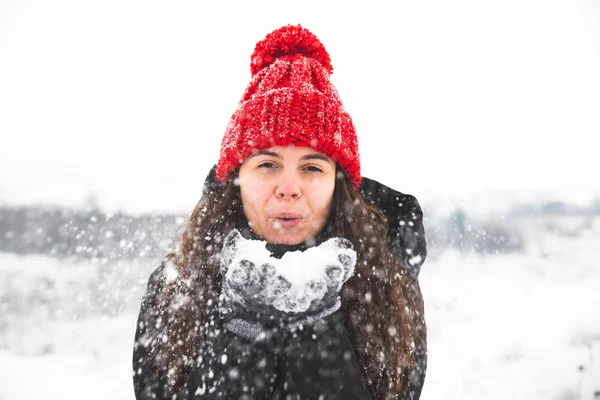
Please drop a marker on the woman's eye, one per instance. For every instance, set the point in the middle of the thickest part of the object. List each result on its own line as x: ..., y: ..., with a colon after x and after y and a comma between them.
x: 267, y: 165
x: 312, y: 168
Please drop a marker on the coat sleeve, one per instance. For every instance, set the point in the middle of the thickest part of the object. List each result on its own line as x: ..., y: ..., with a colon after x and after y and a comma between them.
x: 406, y: 233
x: 227, y: 366
x: 149, y: 378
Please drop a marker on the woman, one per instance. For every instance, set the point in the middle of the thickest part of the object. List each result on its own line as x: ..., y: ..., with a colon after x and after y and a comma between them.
x: 295, y: 277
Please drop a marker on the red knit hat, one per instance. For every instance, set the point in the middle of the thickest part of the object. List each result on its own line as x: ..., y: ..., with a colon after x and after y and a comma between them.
x: 290, y: 101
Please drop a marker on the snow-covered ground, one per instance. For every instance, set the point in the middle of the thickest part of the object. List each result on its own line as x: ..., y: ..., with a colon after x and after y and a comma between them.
x: 515, y: 327
x: 502, y: 327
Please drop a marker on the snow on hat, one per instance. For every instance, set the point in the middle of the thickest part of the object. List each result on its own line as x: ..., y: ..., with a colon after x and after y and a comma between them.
x: 290, y: 101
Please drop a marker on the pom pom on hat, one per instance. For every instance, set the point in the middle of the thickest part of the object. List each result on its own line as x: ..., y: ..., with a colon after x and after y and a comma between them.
x: 290, y: 101
x: 289, y: 40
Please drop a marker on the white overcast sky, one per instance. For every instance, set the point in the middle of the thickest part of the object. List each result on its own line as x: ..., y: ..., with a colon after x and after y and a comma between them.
x: 129, y: 98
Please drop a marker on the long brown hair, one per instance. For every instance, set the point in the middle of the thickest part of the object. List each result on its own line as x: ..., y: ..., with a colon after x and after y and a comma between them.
x: 388, y: 342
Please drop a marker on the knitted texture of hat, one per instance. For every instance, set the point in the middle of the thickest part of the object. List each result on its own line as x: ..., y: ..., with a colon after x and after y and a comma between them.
x: 290, y: 101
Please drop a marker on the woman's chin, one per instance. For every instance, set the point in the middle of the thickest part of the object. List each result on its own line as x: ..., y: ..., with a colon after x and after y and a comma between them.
x: 286, y: 238
x: 277, y: 233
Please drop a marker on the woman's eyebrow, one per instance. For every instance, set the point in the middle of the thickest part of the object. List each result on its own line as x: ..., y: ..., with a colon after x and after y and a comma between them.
x: 265, y: 153
x: 317, y: 157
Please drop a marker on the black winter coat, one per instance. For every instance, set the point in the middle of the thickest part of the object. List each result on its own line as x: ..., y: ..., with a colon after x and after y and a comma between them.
x: 319, y: 360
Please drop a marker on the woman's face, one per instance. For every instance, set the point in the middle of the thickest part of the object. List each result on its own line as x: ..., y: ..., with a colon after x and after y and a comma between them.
x: 287, y: 192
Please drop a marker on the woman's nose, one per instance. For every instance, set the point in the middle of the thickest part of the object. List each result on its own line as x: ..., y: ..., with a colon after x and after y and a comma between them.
x: 288, y: 187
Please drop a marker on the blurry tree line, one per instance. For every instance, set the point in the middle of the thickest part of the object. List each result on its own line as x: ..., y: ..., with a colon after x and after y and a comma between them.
x: 459, y: 231
x: 87, y: 234
x: 511, y: 232
x: 94, y: 234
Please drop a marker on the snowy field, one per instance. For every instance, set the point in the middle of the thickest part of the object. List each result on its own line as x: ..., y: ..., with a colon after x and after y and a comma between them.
x: 121, y: 105
x: 502, y: 327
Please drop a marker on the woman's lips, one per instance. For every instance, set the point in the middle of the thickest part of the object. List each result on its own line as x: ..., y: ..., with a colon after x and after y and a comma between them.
x: 287, y: 220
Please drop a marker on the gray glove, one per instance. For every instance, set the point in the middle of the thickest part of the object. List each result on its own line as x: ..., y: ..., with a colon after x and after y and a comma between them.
x: 261, y: 294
